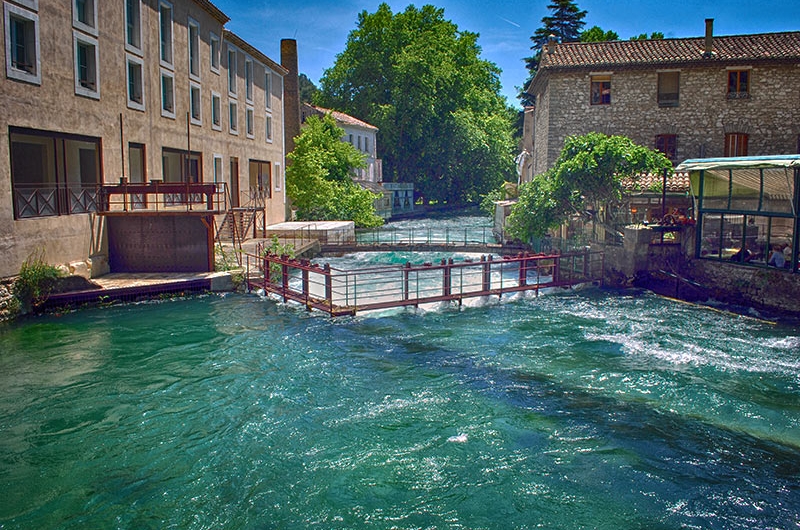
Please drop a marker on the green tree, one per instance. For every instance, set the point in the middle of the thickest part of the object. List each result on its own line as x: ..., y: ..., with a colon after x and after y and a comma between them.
x: 656, y: 35
x: 307, y: 88
x: 589, y: 171
x: 564, y: 24
x: 596, y: 34
x: 442, y: 121
x: 319, y: 178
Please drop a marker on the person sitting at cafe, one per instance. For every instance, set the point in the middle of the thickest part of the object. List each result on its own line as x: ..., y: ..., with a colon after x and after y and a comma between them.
x: 787, y: 255
x: 741, y: 255
x: 777, y: 259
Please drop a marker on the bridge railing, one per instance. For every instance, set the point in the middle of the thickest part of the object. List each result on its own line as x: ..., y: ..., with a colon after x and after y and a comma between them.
x: 415, y: 236
x: 342, y: 292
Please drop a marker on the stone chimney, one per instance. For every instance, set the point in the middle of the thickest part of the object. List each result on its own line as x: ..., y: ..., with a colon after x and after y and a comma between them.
x: 709, y: 48
x: 551, y: 43
x: 291, y: 93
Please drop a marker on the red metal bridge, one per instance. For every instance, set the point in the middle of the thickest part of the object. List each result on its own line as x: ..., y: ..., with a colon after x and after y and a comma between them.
x: 347, y: 292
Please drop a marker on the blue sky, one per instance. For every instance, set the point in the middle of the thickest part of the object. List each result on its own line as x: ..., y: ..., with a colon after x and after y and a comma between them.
x: 321, y: 27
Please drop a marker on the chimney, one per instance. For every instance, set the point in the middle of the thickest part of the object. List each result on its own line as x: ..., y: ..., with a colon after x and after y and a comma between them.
x: 291, y: 93
x: 551, y: 43
x: 709, y: 51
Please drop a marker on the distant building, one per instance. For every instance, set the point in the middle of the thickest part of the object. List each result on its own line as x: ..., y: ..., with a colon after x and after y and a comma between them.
x: 396, y: 197
x: 97, y: 93
x: 701, y: 97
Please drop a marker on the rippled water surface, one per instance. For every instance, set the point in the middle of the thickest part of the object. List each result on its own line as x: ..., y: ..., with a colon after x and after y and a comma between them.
x: 576, y: 409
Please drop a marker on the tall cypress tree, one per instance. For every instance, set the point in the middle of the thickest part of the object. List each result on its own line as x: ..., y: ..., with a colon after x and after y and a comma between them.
x: 565, y: 24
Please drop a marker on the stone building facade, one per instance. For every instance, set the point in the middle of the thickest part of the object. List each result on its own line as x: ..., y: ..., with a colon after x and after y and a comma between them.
x: 142, y: 90
x: 357, y: 133
x: 397, y: 198
x: 690, y: 98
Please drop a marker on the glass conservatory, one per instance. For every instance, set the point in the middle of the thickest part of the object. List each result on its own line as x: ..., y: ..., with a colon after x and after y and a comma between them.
x: 747, y: 209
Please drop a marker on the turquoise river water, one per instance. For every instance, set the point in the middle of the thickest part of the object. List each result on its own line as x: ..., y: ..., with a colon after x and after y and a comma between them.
x: 577, y: 409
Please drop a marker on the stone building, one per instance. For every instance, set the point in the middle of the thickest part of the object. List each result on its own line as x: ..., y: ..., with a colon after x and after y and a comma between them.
x: 396, y: 197
x: 711, y: 96
x: 357, y: 133
x: 128, y: 91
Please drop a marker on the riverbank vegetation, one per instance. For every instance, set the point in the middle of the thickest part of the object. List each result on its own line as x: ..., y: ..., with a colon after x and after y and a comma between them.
x: 319, y: 179
x: 589, y: 171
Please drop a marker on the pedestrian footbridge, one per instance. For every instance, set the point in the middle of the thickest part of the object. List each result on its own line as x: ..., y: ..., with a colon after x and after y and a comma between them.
x: 348, y: 292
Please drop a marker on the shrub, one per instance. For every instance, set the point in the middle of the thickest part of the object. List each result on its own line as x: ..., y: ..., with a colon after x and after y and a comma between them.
x: 35, y: 281
x: 276, y: 248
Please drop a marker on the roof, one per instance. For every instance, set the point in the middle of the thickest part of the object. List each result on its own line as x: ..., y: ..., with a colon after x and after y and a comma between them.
x: 341, y: 117
x: 727, y: 50
x: 214, y: 11
x: 677, y: 182
x: 740, y: 162
x: 254, y: 52
x: 769, y: 175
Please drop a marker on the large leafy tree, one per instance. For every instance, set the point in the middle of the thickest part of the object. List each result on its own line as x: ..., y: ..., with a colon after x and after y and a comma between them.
x: 589, y: 171
x: 597, y: 34
x: 307, y: 88
x: 443, y: 124
x: 319, y: 179
x: 564, y: 23
x: 656, y: 35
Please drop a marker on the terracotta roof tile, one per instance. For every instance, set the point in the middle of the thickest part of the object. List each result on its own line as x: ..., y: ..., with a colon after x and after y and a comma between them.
x: 678, y: 182
x: 737, y: 48
x: 341, y: 117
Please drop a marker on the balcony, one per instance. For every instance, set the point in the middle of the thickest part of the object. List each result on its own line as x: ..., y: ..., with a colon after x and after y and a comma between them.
x: 168, y: 198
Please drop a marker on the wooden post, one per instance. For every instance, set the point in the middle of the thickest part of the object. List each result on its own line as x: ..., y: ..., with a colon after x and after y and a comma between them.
x: 556, y: 269
x: 487, y: 273
x: 406, y: 271
x: 284, y: 278
x: 328, y: 285
x: 446, y: 276
x: 305, y: 286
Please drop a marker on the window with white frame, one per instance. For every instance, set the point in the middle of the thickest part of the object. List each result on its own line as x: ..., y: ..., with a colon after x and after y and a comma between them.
x: 248, y: 79
x: 233, y: 117
x: 278, y: 177
x: 216, y: 111
x: 167, y: 94
x: 33, y: 5
x: 84, y: 16
x: 249, y: 118
x: 133, y: 25
x: 194, y: 49
x: 165, y: 32
x: 232, y: 71
x: 366, y: 144
x: 215, y: 51
x: 22, y: 44
x: 218, y: 177
x: 268, y: 90
x: 195, y: 104
x: 87, y: 82
x: 135, y: 80
x: 268, y: 127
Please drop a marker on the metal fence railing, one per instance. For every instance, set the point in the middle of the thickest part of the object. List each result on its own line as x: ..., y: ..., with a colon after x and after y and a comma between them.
x: 447, y: 235
x: 346, y: 292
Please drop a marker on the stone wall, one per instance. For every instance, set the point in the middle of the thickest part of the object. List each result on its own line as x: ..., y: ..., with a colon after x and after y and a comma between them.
x: 670, y: 270
x: 770, y: 116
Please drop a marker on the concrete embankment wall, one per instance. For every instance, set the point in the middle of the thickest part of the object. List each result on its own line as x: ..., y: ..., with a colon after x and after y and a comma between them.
x: 671, y: 270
